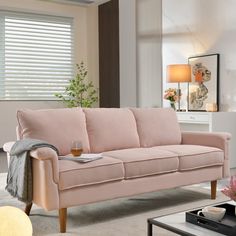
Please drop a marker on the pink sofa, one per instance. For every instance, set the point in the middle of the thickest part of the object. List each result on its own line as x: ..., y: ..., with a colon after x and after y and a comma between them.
x: 143, y: 150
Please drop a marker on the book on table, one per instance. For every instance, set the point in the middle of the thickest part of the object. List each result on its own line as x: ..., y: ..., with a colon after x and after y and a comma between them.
x: 85, y: 157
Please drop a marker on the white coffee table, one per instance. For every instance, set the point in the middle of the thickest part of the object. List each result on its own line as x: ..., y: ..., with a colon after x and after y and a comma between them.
x: 176, y: 223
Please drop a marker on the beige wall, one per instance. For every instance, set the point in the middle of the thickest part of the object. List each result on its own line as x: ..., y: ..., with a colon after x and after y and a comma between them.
x: 86, y: 49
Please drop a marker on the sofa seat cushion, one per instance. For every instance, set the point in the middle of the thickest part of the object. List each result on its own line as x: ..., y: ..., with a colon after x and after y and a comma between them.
x: 195, y: 156
x: 75, y: 174
x: 139, y: 162
x: 111, y: 129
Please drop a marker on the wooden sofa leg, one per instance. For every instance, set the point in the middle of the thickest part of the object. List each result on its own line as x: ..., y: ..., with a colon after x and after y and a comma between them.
x: 213, y: 189
x: 28, y: 208
x: 62, y: 218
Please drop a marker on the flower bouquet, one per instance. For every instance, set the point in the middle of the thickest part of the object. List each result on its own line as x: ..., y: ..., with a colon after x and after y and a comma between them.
x: 171, y: 94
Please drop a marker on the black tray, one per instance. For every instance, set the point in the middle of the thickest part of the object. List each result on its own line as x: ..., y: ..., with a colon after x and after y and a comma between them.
x: 226, y: 226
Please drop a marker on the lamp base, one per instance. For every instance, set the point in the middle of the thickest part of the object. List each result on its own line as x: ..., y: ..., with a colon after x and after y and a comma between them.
x: 179, y: 96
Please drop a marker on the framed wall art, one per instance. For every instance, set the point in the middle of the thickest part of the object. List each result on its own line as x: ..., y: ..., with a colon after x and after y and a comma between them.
x: 204, y: 86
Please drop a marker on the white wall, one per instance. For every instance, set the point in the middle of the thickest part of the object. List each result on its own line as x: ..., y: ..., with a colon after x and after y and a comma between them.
x: 127, y: 34
x: 193, y: 27
x: 149, y: 60
x: 140, y: 53
x: 86, y: 49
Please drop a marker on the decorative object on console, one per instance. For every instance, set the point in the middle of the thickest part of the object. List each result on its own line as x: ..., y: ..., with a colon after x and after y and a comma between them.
x: 171, y: 94
x: 211, y: 107
x: 205, y: 79
x: 178, y: 73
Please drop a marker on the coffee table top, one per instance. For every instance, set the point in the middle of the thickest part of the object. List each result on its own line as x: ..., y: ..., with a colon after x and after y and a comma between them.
x: 177, y: 223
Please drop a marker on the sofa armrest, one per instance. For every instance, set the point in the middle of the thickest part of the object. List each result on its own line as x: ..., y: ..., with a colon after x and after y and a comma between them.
x: 45, y: 153
x: 41, y: 154
x: 213, y: 139
x: 7, y: 146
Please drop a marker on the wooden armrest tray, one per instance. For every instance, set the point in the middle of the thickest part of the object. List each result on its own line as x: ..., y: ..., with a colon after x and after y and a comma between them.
x: 226, y: 226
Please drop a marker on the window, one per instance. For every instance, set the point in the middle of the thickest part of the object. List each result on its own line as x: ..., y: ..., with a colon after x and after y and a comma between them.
x: 36, y: 55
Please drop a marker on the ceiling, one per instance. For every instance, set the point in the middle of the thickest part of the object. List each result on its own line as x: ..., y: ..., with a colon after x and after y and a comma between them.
x: 78, y: 2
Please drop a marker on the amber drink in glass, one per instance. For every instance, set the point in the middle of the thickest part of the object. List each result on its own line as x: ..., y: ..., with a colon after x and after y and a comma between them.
x: 76, y: 148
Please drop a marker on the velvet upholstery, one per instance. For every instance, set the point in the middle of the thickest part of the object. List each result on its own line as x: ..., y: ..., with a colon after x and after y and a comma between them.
x: 143, y: 150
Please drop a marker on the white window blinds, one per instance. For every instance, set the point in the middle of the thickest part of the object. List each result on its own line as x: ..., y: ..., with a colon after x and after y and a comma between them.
x: 36, y: 56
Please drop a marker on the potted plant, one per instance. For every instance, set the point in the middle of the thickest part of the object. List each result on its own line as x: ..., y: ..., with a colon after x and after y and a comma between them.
x: 79, y: 92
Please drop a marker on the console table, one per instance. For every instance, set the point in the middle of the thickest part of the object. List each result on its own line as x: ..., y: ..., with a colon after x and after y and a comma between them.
x: 212, y: 122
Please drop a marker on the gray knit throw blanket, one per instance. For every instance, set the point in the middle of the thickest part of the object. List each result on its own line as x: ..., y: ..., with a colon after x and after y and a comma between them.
x: 20, y: 176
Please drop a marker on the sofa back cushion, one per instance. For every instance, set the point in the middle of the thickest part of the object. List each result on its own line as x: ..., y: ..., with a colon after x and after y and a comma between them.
x: 157, y: 126
x: 111, y: 129
x: 59, y: 127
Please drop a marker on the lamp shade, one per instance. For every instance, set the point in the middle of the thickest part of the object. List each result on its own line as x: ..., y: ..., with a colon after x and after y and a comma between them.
x: 178, y: 73
x: 14, y: 221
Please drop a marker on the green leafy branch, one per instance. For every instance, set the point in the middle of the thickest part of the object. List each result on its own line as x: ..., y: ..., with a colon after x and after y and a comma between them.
x: 79, y: 92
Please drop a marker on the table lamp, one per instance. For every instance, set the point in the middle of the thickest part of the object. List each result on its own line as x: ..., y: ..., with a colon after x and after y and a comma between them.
x: 178, y: 73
